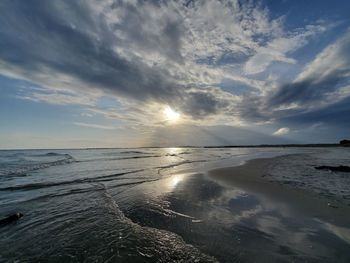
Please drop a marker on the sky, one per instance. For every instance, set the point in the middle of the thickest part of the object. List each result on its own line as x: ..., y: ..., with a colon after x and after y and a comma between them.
x: 137, y: 73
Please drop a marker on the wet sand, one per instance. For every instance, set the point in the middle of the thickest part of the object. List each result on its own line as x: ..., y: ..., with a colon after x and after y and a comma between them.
x: 250, y: 177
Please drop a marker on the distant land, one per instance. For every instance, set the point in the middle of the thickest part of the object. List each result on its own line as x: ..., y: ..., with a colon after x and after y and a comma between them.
x: 342, y: 143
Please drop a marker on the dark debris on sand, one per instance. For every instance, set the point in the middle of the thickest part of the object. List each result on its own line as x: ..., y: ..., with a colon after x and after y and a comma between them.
x: 10, y: 219
x: 340, y: 168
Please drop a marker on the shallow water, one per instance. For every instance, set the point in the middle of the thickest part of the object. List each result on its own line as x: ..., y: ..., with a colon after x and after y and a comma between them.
x: 158, y: 205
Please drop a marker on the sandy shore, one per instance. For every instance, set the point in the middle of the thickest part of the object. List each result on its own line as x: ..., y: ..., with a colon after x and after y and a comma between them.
x: 250, y: 178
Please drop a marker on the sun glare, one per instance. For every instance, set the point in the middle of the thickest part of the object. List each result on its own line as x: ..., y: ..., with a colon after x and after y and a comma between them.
x: 171, y: 115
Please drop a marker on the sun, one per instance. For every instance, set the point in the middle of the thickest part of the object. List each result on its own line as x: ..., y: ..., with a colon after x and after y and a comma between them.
x: 171, y: 115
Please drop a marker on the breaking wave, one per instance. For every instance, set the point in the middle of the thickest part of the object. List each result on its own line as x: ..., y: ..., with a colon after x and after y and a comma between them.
x: 104, y: 178
x: 37, y: 165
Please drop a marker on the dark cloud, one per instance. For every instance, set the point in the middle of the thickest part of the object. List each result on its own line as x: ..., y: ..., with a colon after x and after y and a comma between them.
x: 251, y: 108
x: 309, y: 91
x: 315, y: 96
x: 328, y: 73
x: 317, y: 101
x: 336, y: 114
x: 200, y: 104
x: 36, y: 35
x: 65, y: 37
x: 145, y: 30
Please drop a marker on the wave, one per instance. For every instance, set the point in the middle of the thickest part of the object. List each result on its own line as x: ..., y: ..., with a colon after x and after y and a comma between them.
x: 28, y: 154
x: 133, y: 152
x: 151, y: 243
x: 52, y: 154
x: 170, y: 166
x: 122, y: 158
x: 138, y: 157
x: 14, y: 155
x: 88, y: 224
x: 123, y: 153
x: 104, y: 178
x: 180, y: 163
x: 22, y: 170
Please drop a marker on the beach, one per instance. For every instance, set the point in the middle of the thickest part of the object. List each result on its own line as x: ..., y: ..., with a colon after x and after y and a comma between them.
x: 175, y: 205
x: 252, y: 178
x: 136, y: 131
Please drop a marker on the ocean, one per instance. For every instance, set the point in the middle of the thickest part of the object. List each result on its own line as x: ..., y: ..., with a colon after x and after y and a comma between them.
x: 160, y: 205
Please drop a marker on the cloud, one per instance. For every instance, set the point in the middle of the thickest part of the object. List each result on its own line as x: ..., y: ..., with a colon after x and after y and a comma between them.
x: 281, y: 131
x: 202, y: 103
x: 320, y: 90
x: 157, y: 52
x: 58, y: 97
x: 52, y: 44
x: 327, y: 73
x: 279, y: 48
x: 95, y: 126
x: 333, y: 115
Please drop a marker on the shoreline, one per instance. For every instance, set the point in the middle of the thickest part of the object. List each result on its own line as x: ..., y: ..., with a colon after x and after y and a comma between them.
x: 249, y: 177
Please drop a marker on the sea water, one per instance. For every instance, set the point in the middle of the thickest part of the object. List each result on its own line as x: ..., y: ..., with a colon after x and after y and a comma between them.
x: 158, y: 205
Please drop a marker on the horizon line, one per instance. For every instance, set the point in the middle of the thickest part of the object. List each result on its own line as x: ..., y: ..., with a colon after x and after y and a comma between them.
x: 187, y: 146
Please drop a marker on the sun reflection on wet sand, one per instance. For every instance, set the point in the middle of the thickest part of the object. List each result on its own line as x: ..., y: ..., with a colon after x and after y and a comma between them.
x: 175, y: 179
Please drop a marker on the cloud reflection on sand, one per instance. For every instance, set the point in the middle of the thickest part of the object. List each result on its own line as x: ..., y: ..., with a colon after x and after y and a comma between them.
x: 221, y: 219
x: 341, y: 232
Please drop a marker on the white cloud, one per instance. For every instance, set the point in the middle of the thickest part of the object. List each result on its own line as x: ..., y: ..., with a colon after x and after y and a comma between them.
x: 281, y: 131
x: 334, y: 58
x: 277, y: 49
x: 95, y: 126
x: 59, y: 98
